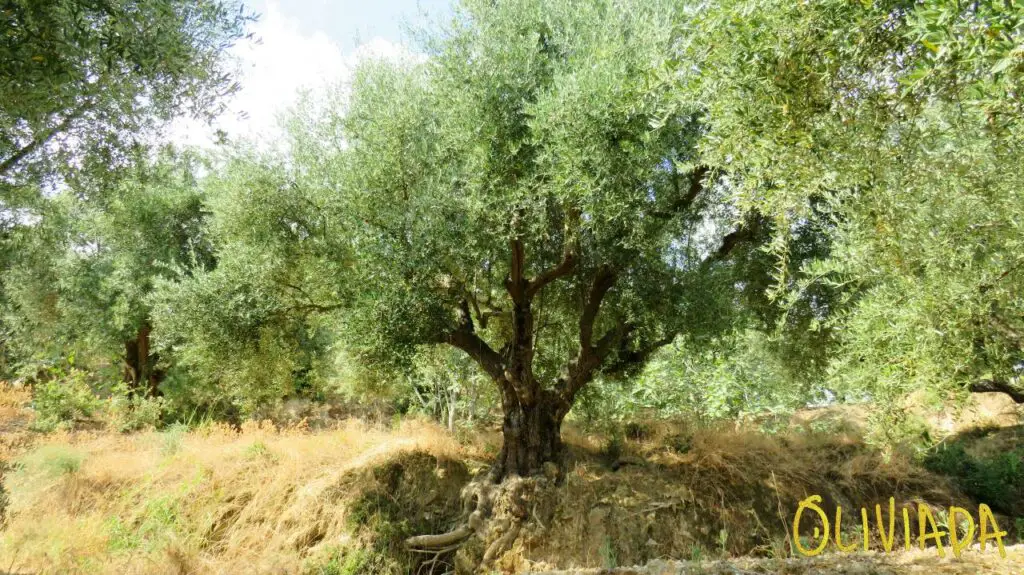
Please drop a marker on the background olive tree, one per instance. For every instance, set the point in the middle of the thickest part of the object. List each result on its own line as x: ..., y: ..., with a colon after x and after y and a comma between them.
x: 901, y: 123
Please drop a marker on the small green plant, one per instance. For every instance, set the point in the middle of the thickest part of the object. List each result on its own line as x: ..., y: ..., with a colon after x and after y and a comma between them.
x: 128, y: 412
x: 172, y: 438
x: 62, y: 399
x: 609, y: 558
x: 696, y: 552
x: 723, y: 539
x: 258, y: 450
x: 341, y: 561
x: 54, y: 461
x: 614, y: 446
x: 121, y: 536
x: 1018, y: 523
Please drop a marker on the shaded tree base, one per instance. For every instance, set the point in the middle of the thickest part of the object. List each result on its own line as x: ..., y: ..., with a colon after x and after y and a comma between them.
x: 494, y: 514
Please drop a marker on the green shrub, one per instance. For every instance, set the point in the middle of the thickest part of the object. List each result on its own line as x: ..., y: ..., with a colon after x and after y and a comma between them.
x: 997, y: 480
x: 172, y: 438
x: 121, y: 536
x: 259, y: 451
x: 127, y: 412
x: 63, y: 399
x: 340, y: 561
x: 53, y: 461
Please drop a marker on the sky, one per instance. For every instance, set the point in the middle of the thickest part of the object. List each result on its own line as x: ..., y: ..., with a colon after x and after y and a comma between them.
x: 306, y: 45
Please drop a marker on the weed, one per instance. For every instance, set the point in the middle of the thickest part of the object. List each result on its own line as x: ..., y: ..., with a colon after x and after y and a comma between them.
x: 613, y: 447
x: 997, y: 480
x: 723, y: 539
x: 258, y: 450
x: 172, y: 439
x: 608, y: 556
x: 121, y: 537
x: 54, y: 461
x: 133, y: 412
x: 63, y: 399
x: 344, y: 561
x: 696, y: 552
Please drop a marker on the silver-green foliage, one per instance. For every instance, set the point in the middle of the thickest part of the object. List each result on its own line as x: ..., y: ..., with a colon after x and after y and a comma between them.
x: 902, y: 121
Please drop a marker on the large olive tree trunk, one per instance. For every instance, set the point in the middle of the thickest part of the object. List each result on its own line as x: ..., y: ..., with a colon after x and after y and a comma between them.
x: 531, y: 437
x: 533, y: 412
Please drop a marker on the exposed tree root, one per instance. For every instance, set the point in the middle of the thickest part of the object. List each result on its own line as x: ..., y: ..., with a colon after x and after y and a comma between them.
x: 494, y: 516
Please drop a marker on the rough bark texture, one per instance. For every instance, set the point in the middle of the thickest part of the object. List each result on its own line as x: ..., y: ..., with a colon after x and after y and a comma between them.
x: 532, y: 437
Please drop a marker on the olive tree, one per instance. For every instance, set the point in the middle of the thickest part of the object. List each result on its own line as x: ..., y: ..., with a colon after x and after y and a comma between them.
x: 255, y: 324
x: 531, y: 194
x: 901, y: 122
x: 82, y: 273
x: 83, y: 83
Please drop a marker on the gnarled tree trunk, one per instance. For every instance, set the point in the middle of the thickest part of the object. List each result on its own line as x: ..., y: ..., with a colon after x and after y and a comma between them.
x: 531, y: 437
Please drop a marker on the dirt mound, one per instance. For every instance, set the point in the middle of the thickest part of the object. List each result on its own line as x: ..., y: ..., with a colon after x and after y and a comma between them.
x: 217, y: 500
x: 265, y: 500
x: 713, y: 492
x: 410, y: 494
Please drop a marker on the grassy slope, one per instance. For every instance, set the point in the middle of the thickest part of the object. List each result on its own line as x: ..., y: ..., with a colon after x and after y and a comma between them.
x: 268, y: 500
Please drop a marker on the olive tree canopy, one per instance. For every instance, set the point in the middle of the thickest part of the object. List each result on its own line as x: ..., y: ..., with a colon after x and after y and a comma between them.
x: 531, y: 194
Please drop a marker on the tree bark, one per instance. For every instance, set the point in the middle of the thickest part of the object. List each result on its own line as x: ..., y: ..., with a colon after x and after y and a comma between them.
x: 531, y: 437
x: 140, y: 371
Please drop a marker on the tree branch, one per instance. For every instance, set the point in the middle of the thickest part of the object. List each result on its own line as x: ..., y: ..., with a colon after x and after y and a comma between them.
x: 568, y: 262
x: 488, y: 359
x: 684, y: 201
x: 589, y: 357
x: 564, y: 267
x: 629, y: 359
x: 989, y: 285
x: 11, y: 162
x: 990, y: 385
x: 744, y: 233
x: 603, y: 281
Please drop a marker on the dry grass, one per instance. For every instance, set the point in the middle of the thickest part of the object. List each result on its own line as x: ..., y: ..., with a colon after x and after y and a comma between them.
x: 972, y: 562
x: 264, y: 500
x: 15, y: 417
x: 211, y: 501
x: 711, y: 492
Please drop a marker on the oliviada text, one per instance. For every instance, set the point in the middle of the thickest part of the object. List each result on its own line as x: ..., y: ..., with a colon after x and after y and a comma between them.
x: 927, y: 529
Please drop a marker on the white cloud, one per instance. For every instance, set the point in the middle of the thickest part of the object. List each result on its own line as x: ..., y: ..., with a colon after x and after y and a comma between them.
x: 274, y: 67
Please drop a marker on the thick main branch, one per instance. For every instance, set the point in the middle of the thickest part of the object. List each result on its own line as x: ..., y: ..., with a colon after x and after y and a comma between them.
x: 590, y: 356
x: 746, y: 232
x: 990, y: 385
